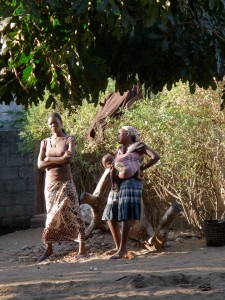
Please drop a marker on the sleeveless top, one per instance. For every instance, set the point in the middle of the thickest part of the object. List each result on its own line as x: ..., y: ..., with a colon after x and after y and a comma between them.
x: 61, y: 172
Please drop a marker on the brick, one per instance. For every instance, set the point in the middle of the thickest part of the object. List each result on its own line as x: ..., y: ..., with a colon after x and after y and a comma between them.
x: 2, y: 187
x: 29, y: 184
x: 6, y: 148
x: 29, y: 159
x: 9, y: 173
x: 25, y: 172
x: 3, y: 136
x: 24, y: 197
x: 6, y: 199
x: 13, y: 137
x: 17, y: 198
x: 29, y: 210
x: 15, y: 160
x: 22, y: 222
x: 7, y: 222
x: 2, y: 211
x: 2, y: 160
x: 15, y: 185
x: 9, y: 212
x: 18, y: 210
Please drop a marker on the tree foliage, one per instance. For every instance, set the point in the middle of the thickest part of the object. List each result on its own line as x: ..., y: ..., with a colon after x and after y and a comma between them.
x: 71, y: 48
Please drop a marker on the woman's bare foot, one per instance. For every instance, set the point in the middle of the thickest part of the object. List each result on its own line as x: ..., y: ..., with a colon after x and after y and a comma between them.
x: 79, y: 255
x: 82, y: 253
x: 118, y: 255
x: 45, y: 255
x: 127, y: 254
x: 112, y: 251
x: 48, y: 252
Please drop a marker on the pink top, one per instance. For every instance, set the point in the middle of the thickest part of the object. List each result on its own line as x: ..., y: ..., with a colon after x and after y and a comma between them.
x: 128, y: 163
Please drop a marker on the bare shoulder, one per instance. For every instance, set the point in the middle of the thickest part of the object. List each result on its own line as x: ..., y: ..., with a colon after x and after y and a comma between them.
x: 44, y: 142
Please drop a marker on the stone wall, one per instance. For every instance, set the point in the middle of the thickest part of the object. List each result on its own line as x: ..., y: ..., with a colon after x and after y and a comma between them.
x: 17, y: 189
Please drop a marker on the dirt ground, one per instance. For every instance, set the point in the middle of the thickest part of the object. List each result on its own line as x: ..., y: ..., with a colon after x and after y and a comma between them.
x: 185, y: 269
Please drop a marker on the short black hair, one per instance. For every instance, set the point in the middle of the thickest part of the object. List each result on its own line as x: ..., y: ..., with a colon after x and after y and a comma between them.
x: 107, y: 157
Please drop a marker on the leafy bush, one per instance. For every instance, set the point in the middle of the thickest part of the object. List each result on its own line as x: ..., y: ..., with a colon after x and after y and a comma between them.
x: 186, y: 130
x: 188, y: 133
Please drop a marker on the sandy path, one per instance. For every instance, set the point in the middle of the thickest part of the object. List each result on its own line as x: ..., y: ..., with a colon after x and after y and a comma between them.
x: 185, y: 269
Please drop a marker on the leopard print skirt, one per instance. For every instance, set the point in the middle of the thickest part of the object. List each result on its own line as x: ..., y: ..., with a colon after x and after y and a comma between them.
x: 64, y: 219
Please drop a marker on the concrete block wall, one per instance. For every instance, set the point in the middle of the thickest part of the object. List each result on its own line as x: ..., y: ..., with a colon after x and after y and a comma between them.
x: 17, y: 191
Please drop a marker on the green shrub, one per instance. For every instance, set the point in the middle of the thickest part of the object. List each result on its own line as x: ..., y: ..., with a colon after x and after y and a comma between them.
x: 186, y: 130
x: 188, y: 133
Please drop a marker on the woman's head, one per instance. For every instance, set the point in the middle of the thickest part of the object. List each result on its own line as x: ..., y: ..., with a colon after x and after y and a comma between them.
x: 129, y: 132
x: 55, y: 122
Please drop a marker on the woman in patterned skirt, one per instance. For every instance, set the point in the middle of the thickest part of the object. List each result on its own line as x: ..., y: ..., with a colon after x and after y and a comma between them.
x: 124, y: 201
x: 64, y: 220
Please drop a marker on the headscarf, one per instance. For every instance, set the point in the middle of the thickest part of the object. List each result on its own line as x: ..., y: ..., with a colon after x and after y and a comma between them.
x: 133, y: 132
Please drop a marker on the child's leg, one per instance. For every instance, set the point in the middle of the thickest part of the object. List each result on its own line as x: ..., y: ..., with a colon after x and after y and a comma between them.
x: 82, y: 249
x: 115, y: 231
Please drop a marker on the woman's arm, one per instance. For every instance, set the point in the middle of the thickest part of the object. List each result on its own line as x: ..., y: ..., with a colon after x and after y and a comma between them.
x: 58, y: 160
x: 67, y: 157
x: 154, y: 157
x: 42, y: 164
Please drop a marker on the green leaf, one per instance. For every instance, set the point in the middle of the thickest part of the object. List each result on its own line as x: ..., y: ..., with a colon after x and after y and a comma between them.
x: 24, y: 59
x: 211, y: 4
x: 102, y: 4
x: 50, y: 102
x: 164, y: 17
x: 80, y: 6
x: 152, y: 16
x: 115, y: 8
x: 56, y: 22
x: 192, y: 87
x: 27, y: 72
x: 169, y: 86
x: 20, y: 10
x: 223, y: 2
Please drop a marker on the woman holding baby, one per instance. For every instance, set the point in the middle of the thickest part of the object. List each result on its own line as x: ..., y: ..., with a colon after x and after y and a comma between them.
x: 124, y: 201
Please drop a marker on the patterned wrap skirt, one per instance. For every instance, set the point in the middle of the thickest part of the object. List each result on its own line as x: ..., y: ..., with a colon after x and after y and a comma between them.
x: 64, y: 219
x: 125, y: 204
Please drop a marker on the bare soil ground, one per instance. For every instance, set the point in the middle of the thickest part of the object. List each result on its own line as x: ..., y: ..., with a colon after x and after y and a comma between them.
x: 185, y: 269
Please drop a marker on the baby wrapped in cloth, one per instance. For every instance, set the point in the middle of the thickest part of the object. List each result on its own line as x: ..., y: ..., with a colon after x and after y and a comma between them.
x: 129, y: 164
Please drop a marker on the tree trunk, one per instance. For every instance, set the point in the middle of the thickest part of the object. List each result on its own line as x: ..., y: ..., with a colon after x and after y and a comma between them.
x: 161, y: 234
x: 142, y: 230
